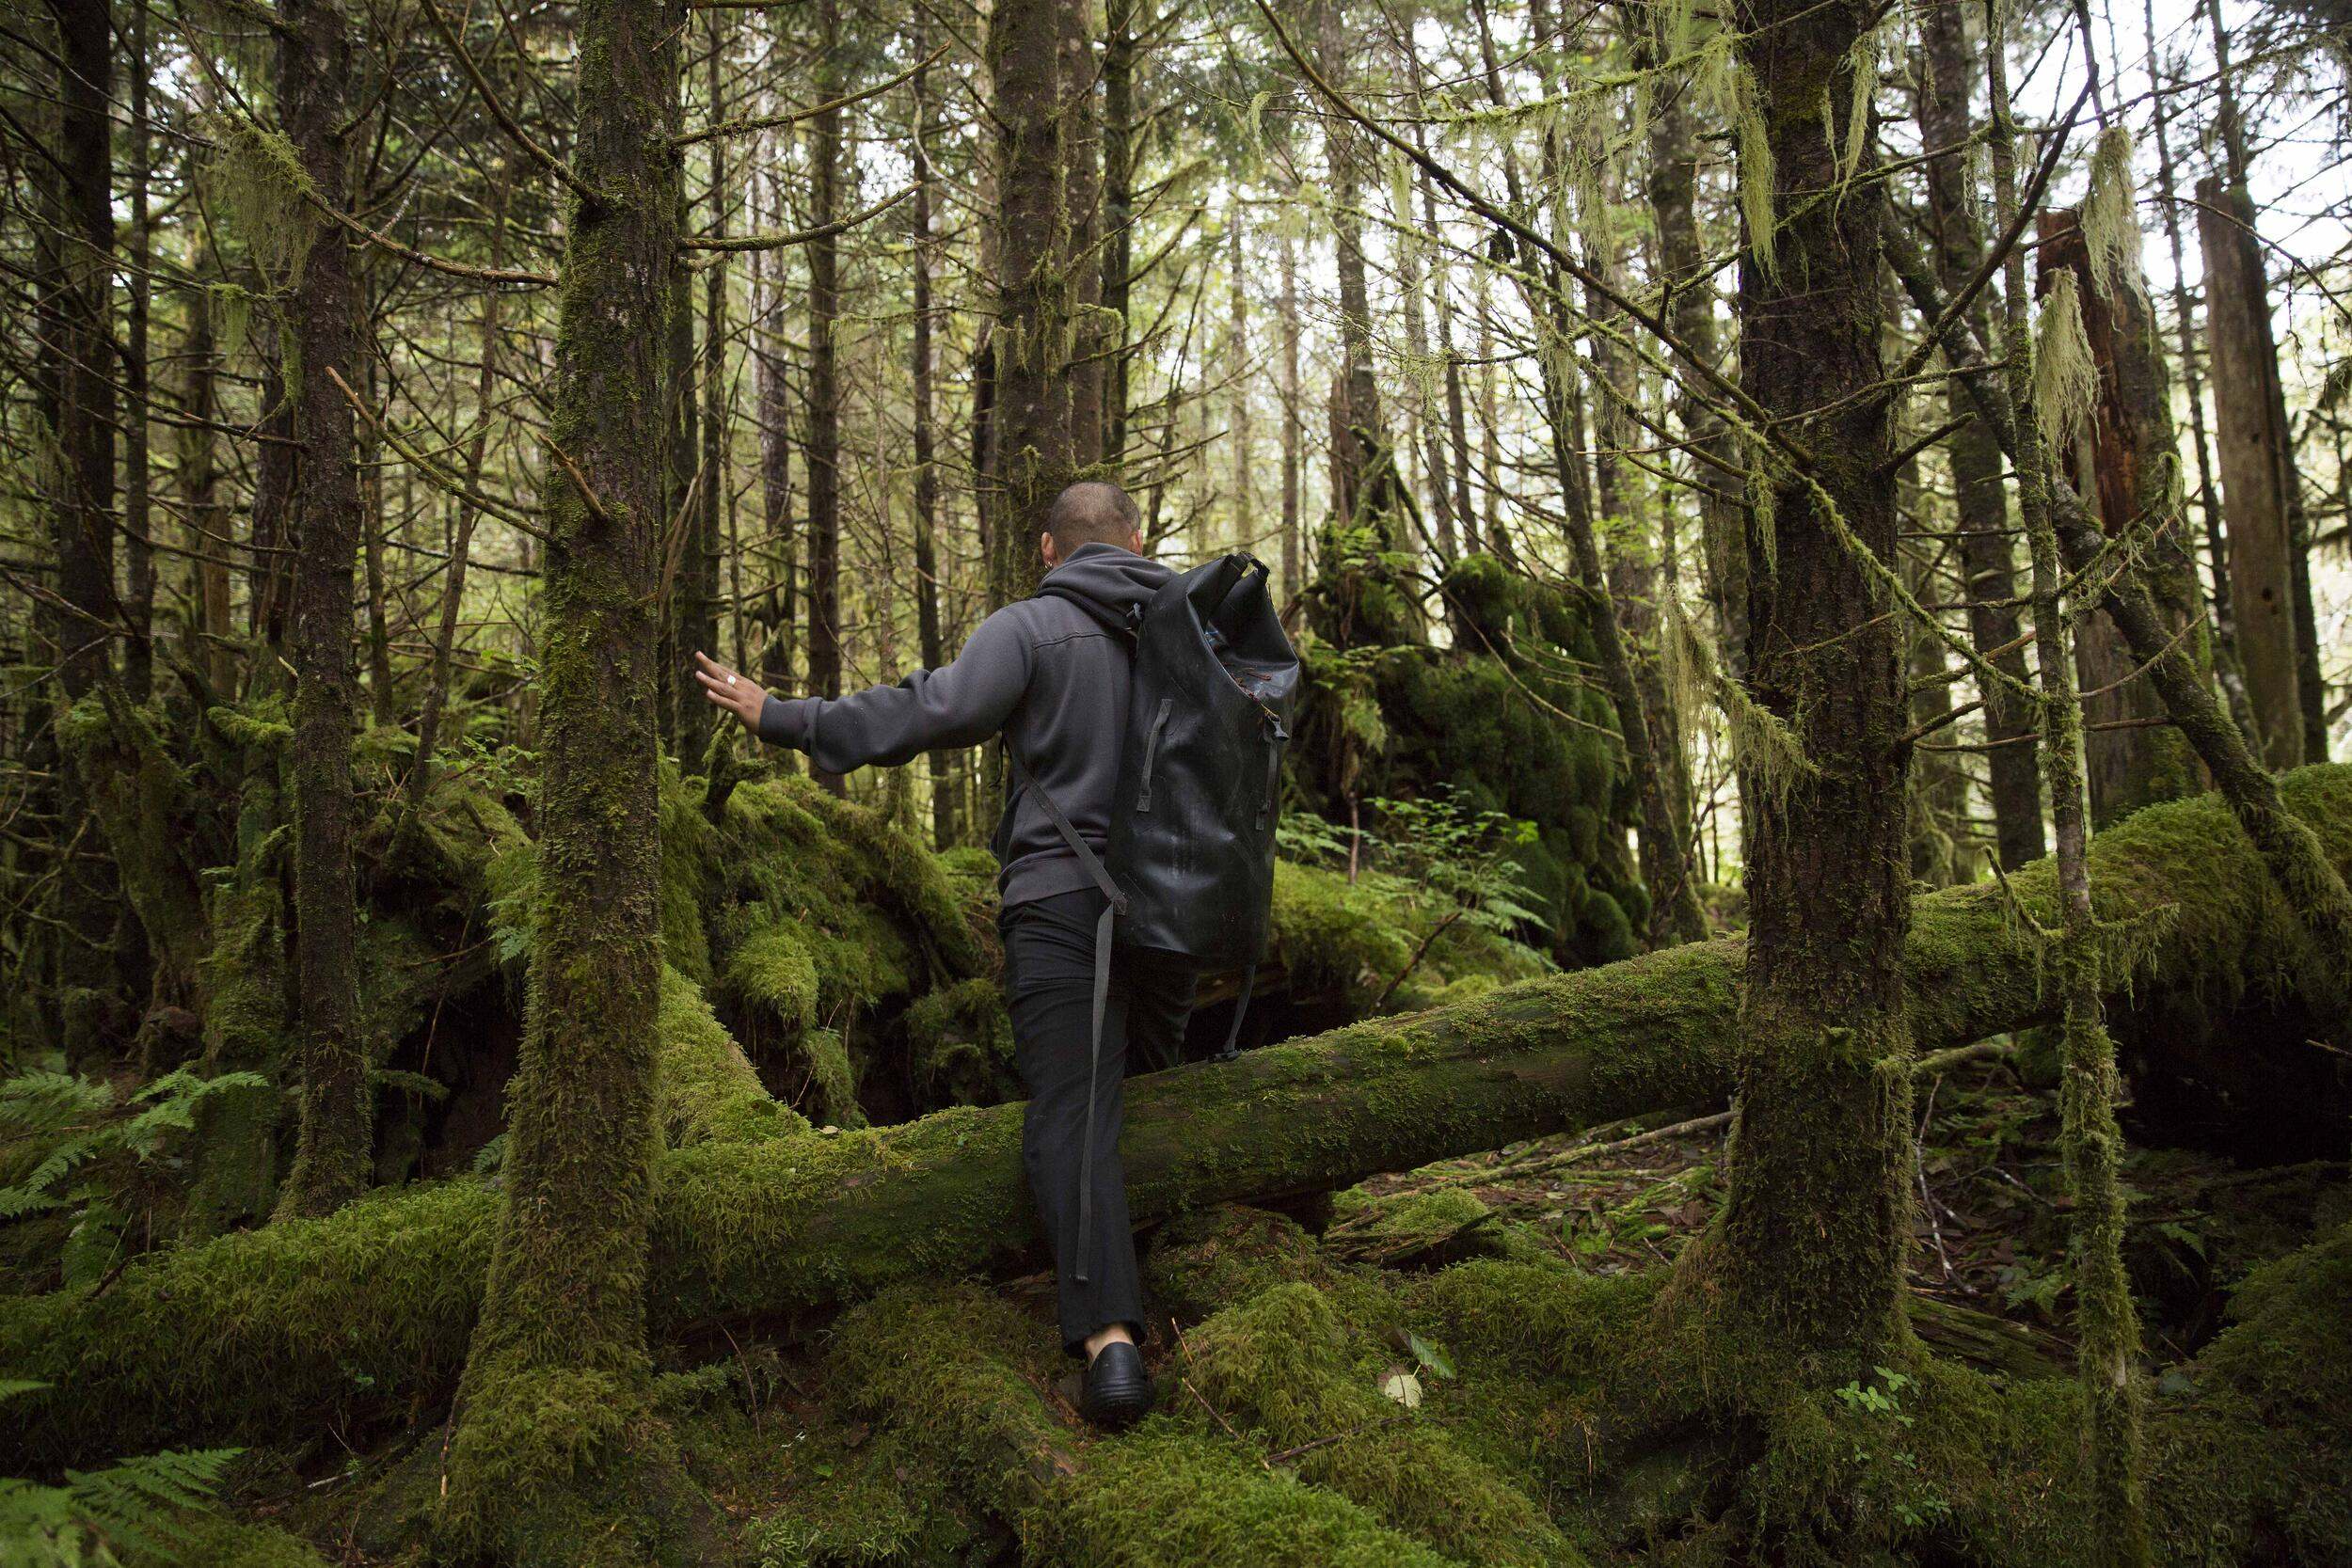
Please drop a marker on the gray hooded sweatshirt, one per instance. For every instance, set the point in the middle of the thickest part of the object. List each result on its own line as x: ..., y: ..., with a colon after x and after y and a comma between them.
x: 1043, y: 673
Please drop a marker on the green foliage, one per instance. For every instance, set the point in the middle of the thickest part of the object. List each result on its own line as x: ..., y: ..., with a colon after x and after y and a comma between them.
x: 1502, y: 728
x: 79, y: 1145
x: 138, y: 1507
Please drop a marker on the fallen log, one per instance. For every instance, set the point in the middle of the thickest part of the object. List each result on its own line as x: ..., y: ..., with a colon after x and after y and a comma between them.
x: 368, y: 1311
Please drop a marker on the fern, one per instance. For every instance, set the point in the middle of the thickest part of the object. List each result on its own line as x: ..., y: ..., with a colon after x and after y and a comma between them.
x: 79, y: 1120
x: 137, y: 1505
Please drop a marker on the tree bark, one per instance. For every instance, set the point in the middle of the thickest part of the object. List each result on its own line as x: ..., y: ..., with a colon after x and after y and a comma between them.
x: 1044, y: 418
x: 2257, y: 471
x: 419, y: 783
x: 80, y: 626
x: 1806, y: 1256
x: 555, y: 1379
x: 776, y: 467
x: 334, y: 1147
x: 824, y: 381
x: 2131, y: 454
x: 325, y: 1315
x: 1122, y: 49
x: 945, y: 829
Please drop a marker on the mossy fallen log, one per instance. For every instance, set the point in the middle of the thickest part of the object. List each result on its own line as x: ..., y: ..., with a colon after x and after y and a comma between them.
x: 243, y: 1336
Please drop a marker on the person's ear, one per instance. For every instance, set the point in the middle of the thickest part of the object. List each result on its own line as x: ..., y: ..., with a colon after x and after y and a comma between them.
x: 1045, y: 549
x: 1134, y: 540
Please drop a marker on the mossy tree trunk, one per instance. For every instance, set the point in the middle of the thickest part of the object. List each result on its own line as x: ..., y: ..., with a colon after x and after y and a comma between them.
x: 334, y: 1147
x: 1043, y: 426
x: 79, y: 623
x: 553, y: 1397
x: 1673, y: 192
x: 932, y: 644
x: 1804, y: 1263
x: 2127, y: 469
x: 825, y: 377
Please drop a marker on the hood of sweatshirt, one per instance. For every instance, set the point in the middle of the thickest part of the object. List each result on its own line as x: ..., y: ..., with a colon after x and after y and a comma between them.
x: 1106, y: 575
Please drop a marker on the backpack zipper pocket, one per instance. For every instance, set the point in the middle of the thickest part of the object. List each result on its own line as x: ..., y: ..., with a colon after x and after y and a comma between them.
x: 1273, y: 767
x: 1151, y: 750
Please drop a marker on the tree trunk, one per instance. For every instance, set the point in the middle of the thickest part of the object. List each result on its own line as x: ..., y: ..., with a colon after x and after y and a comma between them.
x: 1673, y: 191
x: 334, y: 1148
x: 554, y: 1391
x: 1245, y: 536
x: 799, y: 1224
x: 78, y: 627
x: 2226, y: 666
x: 2107, y: 1326
x: 205, y: 533
x: 1986, y: 551
x: 945, y: 829
x: 776, y: 468
x: 1293, y: 423
x: 700, y: 552
x: 139, y: 652
x: 1806, y: 1257
x: 461, y: 538
x: 1044, y: 421
x: 2131, y: 454
x: 1120, y: 52
x: 824, y: 382
x: 382, y: 707
x: 1362, y: 470
x: 2257, y: 473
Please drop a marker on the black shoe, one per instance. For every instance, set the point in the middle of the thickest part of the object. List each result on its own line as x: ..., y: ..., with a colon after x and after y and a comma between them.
x: 1116, y: 1390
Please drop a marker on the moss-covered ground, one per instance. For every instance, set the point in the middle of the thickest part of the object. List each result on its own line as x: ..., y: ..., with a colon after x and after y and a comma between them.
x: 1460, y: 1367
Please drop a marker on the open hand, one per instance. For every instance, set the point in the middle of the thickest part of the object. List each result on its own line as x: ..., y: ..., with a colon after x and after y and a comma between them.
x: 737, y: 694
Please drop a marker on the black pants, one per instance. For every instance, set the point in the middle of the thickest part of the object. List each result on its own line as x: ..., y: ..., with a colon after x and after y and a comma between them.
x: 1049, y: 990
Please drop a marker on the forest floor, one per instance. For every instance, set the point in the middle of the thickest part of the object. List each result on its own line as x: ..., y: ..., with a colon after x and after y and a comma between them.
x: 818, y: 1456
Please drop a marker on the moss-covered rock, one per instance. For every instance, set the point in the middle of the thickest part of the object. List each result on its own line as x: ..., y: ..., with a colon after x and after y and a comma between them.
x: 1504, y: 717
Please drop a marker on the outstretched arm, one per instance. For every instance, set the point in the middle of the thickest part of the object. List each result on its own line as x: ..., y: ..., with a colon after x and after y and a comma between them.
x: 959, y: 703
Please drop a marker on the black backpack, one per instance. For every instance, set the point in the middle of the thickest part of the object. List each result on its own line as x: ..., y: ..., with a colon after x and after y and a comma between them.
x: 1191, y: 855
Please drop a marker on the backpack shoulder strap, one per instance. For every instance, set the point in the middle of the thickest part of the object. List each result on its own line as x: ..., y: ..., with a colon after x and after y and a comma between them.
x: 1078, y: 846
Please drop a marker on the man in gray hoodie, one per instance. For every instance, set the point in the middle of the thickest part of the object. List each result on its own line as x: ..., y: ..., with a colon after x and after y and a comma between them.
x: 1053, y: 680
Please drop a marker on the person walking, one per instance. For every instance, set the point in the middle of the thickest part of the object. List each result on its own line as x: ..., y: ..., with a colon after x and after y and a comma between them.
x: 1052, y: 679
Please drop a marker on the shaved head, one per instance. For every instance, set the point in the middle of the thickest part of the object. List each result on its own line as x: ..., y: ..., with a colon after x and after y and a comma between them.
x: 1093, y: 512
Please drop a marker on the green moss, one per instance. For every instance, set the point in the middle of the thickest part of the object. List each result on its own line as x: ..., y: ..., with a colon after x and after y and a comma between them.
x: 1168, y: 1497
x: 960, y: 1045
x: 1349, y: 939
x: 1506, y: 718
x: 214, y: 1543
x: 708, y: 1092
x: 772, y: 969
x: 1424, y: 1228
x: 1203, y: 1260
x: 1283, y: 1367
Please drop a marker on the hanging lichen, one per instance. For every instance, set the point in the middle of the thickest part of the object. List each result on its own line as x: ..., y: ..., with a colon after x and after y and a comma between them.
x: 2065, y: 376
x: 2110, y: 219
